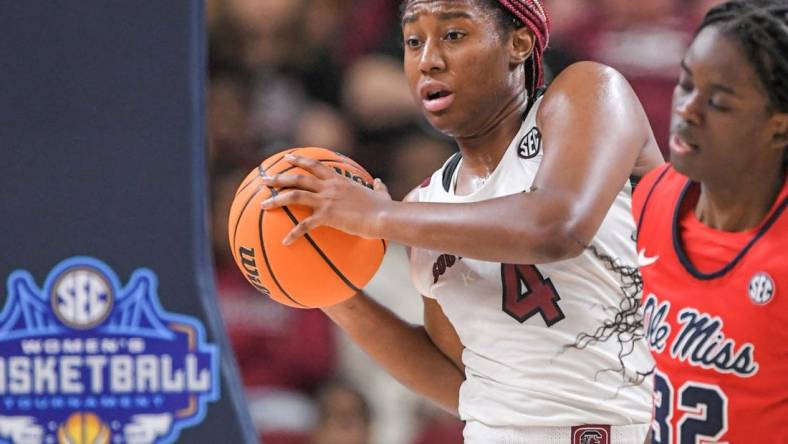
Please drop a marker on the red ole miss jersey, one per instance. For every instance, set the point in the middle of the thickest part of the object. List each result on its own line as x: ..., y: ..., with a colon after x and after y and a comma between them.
x: 717, y: 326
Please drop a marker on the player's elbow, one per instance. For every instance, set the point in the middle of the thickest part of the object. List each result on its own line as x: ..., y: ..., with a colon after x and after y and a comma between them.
x: 562, y: 235
x: 559, y: 242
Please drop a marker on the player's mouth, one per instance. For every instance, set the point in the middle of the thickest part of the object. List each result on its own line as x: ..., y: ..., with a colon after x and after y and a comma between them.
x: 435, y: 96
x: 679, y: 145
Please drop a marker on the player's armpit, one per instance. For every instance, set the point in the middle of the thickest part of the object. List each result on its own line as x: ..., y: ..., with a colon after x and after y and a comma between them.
x: 442, y: 332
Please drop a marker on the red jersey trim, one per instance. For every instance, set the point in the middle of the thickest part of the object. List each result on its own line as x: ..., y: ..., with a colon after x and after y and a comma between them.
x: 648, y: 196
x: 678, y: 246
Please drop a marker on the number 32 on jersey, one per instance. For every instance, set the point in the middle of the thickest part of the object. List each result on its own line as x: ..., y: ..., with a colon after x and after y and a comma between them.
x: 700, y: 414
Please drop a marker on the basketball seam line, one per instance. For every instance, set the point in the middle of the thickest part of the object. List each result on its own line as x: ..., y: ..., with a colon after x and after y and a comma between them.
x: 260, y: 174
x: 265, y: 257
x: 243, y: 186
x: 321, y: 252
x: 261, y: 171
x: 319, y: 160
x: 241, y: 214
x: 276, y: 161
x: 295, y: 222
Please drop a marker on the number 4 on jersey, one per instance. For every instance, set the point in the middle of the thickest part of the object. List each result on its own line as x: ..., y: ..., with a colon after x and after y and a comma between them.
x: 526, y: 292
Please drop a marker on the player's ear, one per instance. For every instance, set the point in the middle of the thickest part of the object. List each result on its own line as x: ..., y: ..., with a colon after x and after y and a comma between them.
x: 780, y: 136
x: 521, y: 46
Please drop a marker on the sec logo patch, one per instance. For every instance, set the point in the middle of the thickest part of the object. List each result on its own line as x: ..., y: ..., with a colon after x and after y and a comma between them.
x: 761, y: 289
x: 530, y: 144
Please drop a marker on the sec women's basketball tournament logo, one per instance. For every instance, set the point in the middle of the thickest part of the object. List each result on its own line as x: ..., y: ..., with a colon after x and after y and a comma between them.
x: 84, y: 360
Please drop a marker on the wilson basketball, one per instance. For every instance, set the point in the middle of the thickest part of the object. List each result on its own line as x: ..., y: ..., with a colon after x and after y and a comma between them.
x: 322, y: 268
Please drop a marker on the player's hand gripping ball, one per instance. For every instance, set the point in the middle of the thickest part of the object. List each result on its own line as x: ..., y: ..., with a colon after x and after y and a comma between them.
x: 322, y: 268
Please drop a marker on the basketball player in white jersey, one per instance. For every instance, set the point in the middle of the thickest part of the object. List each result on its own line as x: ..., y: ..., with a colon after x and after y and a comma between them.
x: 509, y: 237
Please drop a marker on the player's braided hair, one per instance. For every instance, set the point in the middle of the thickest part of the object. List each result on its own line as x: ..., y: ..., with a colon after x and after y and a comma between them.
x: 532, y: 15
x: 513, y: 14
x: 626, y: 324
x: 761, y: 27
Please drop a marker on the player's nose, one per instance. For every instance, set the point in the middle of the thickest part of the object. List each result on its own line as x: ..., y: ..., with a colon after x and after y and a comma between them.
x: 432, y: 58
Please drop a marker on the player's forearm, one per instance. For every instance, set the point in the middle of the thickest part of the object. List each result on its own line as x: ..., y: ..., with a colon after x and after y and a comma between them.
x: 498, y: 230
x: 403, y: 350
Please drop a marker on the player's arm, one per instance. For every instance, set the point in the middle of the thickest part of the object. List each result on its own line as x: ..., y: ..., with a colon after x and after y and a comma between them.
x: 427, y: 359
x: 411, y: 354
x: 595, y: 134
x: 443, y: 334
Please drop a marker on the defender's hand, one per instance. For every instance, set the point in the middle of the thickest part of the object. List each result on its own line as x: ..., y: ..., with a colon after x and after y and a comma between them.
x: 335, y: 201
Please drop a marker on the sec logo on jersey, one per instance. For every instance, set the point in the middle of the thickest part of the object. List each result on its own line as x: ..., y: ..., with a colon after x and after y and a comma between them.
x: 761, y: 289
x: 530, y: 144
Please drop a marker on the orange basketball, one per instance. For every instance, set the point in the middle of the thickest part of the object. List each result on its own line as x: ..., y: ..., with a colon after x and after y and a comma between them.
x: 320, y: 269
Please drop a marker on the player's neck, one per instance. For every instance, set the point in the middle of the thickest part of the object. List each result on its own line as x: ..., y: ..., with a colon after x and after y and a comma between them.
x: 482, y: 152
x: 738, y: 205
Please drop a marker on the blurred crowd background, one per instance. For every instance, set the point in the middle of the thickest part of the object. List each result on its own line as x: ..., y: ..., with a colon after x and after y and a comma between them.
x: 328, y: 73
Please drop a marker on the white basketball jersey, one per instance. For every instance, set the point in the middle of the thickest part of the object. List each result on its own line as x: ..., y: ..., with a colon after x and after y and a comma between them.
x: 516, y: 321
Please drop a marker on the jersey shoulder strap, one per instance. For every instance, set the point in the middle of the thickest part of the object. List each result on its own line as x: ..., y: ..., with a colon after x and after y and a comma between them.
x: 454, y: 161
x: 449, y: 169
x: 644, y: 191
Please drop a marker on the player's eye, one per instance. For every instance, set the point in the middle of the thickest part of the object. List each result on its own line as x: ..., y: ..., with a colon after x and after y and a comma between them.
x: 412, y: 42
x: 718, y: 104
x: 454, y: 35
x: 684, y: 83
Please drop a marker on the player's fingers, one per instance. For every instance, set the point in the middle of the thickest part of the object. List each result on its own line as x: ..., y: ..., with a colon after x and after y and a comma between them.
x: 295, y: 197
x: 301, y: 229
x: 380, y: 187
x: 313, y: 166
x: 300, y: 181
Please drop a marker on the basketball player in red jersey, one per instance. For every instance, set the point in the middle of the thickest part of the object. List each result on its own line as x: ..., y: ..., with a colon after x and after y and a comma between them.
x: 712, y: 236
x: 539, y: 180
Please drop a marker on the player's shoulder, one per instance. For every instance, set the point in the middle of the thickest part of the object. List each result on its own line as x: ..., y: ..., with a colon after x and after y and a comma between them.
x: 593, y: 91
x: 588, y: 71
x: 585, y: 78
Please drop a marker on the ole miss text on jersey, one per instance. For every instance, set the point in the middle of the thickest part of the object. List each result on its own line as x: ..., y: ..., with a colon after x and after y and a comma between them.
x: 716, y: 311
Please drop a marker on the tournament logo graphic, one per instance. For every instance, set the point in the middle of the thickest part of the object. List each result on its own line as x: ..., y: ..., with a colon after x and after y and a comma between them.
x: 86, y: 360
